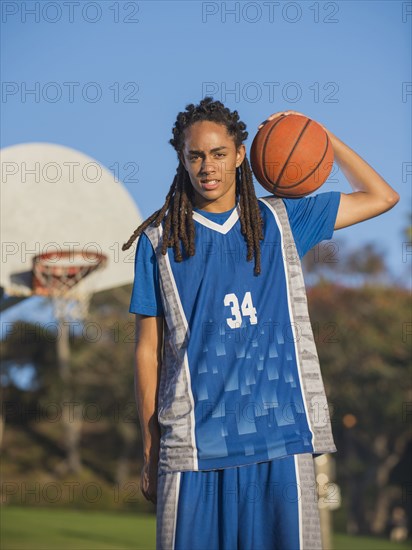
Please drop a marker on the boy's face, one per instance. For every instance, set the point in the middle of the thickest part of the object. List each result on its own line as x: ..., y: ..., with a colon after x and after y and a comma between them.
x: 210, y: 158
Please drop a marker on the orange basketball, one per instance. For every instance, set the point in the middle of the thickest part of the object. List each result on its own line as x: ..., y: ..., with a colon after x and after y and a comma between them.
x: 291, y: 156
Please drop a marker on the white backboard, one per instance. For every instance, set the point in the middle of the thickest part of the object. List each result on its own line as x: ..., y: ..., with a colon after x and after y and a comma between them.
x: 56, y: 198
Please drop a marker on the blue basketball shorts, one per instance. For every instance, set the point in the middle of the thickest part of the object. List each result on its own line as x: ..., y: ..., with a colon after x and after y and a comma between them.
x: 265, y: 506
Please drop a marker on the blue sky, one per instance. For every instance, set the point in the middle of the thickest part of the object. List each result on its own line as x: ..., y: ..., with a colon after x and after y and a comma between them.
x: 346, y: 64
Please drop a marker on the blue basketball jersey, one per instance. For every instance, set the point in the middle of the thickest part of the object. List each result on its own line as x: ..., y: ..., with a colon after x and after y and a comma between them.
x: 240, y: 380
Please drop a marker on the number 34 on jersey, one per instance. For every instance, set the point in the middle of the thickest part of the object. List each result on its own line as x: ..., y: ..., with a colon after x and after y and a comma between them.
x: 246, y: 309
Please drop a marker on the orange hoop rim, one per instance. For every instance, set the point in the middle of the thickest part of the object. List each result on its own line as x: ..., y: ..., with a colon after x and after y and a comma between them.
x: 57, y: 272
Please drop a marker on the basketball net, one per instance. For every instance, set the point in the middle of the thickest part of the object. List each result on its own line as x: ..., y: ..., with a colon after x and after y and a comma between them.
x: 58, y: 276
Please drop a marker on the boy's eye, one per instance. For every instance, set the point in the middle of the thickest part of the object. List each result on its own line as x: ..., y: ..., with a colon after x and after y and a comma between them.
x: 194, y: 157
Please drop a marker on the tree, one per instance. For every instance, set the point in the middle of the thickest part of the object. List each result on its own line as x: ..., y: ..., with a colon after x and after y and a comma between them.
x: 364, y: 346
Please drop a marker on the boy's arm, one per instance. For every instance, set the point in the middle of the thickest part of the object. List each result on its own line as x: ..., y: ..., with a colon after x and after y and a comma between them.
x: 371, y: 194
x: 148, y: 357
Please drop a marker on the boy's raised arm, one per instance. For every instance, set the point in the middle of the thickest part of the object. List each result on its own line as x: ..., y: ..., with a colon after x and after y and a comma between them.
x: 371, y: 196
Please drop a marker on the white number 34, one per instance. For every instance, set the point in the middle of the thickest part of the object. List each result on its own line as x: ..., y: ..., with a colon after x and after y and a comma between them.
x: 246, y: 309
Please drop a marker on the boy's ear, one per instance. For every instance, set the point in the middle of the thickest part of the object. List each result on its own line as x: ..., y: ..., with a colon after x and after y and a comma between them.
x: 240, y: 155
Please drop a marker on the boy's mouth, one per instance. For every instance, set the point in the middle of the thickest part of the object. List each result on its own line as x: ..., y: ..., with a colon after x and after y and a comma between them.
x: 209, y: 184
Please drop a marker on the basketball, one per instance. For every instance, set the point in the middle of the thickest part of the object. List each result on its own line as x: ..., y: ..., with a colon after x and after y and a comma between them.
x: 291, y: 156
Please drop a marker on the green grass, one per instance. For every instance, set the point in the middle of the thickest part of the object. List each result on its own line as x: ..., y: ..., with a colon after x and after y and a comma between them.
x: 347, y: 542
x: 51, y: 529
x: 48, y: 528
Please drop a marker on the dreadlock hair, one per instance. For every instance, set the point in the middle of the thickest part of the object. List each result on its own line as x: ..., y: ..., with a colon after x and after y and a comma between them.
x: 177, y: 210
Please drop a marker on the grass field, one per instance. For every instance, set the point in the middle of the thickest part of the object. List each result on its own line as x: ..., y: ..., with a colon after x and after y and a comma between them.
x: 47, y: 529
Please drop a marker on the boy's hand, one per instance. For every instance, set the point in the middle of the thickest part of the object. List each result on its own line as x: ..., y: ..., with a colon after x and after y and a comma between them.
x: 277, y: 115
x: 285, y: 113
x: 148, y: 480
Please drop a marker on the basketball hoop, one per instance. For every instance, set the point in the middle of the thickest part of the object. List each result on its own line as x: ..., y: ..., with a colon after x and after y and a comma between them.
x: 56, y: 274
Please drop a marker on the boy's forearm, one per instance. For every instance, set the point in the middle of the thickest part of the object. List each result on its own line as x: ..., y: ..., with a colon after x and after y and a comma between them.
x: 361, y: 176
x: 146, y: 388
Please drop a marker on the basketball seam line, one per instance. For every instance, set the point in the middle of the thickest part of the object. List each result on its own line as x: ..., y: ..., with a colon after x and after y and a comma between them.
x: 316, y: 167
x: 291, y: 152
x: 268, y: 180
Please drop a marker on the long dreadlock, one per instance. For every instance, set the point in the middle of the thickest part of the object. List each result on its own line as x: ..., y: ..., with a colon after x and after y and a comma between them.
x: 177, y: 210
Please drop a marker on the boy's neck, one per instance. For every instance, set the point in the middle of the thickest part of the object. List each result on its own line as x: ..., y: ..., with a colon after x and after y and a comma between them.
x: 215, y: 207
x: 214, y: 210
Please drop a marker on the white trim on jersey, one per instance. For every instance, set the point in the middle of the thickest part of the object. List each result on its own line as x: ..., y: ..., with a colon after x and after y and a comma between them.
x: 186, y: 364
x: 220, y: 228
x: 299, y: 490
x: 293, y: 323
x: 176, y: 506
